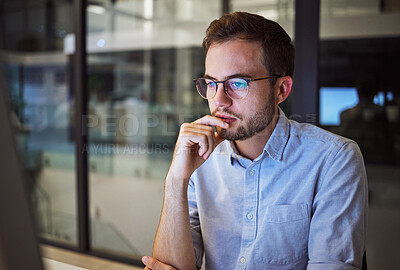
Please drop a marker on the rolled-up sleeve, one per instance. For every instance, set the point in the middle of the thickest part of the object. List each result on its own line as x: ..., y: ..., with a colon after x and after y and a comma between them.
x: 339, y: 212
x: 195, y: 224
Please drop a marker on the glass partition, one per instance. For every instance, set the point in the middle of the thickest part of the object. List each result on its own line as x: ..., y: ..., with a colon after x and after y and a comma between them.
x: 272, y: 9
x: 143, y: 57
x: 281, y: 11
x: 38, y: 86
x: 359, y: 53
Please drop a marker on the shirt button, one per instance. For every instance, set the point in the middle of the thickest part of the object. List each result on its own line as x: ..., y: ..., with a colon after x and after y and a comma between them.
x: 249, y: 216
x: 252, y: 172
x: 243, y: 260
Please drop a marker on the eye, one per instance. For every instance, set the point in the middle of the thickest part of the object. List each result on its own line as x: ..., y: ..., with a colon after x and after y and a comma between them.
x: 237, y: 84
x: 210, y: 83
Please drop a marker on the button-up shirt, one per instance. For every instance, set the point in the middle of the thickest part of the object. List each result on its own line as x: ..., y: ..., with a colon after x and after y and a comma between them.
x: 302, y: 204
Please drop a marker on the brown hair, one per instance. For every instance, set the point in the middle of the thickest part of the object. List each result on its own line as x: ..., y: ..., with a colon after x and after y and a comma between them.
x: 276, y: 43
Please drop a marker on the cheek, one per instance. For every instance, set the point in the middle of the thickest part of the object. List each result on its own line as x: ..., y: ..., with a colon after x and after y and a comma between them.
x: 260, y: 103
x: 210, y: 106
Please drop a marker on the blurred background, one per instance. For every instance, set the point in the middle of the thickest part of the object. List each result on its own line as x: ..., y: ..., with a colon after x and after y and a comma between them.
x: 141, y: 57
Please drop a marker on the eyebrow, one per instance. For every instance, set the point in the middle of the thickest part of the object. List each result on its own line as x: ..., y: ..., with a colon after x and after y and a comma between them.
x: 236, y: 75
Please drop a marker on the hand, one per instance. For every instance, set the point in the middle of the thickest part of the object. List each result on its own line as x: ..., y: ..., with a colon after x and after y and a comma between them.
x: 195, y: 144
x: 153, y: 264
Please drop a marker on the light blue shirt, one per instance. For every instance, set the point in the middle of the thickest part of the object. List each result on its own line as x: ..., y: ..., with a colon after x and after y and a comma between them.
x: 302, y: 204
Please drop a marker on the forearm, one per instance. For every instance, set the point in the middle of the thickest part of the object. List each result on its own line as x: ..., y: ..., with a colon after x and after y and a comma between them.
x: 173, y: 242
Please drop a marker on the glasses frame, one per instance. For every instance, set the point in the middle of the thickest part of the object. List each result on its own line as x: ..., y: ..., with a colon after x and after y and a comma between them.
x: 223, y: 84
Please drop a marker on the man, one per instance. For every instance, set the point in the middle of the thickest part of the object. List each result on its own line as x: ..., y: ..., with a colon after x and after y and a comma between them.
x: 263, y: 192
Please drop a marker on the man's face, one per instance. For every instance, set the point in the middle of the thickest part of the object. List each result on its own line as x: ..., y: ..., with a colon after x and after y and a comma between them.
x: 252, y: 114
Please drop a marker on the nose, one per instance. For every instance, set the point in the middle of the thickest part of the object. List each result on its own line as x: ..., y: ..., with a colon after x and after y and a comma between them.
x: 221, y: 98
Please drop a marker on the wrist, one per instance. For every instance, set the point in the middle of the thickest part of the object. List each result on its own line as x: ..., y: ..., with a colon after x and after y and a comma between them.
x: 178, y: 173
x: 175, y: 184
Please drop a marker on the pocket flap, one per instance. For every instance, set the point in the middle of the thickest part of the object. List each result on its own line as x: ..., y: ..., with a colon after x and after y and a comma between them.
x: 285, y: 213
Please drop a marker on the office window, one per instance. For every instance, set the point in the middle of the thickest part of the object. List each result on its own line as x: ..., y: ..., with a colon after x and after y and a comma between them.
x: 39, y: 90
x: 359, y: 51
x: 143, y: 57
x: 281, y: 11
x: 333, y: 101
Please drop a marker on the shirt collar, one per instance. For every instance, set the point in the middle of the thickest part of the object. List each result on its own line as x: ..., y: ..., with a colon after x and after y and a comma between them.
x: 274, y: 147
x: 279, y: 138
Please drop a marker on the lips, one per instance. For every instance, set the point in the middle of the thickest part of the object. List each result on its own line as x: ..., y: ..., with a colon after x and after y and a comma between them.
x: 226, y: 118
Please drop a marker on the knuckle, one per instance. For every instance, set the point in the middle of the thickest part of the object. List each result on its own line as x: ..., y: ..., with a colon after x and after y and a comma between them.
x: 156, y: 265
x: 151, y: 263
x: 184, y: 126
x: 204, y: 138
x: 207, y: 128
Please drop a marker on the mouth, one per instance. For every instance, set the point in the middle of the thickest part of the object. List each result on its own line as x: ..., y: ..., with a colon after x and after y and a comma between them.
x: 226, y: 118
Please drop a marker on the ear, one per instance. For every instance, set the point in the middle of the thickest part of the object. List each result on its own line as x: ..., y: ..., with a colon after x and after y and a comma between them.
x: 284, y: 86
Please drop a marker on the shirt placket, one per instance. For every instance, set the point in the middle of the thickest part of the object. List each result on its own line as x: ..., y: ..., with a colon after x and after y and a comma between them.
x: 249, y: 214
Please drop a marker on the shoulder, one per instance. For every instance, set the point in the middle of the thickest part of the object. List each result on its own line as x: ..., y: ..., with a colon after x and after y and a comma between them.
x: 309, y: 142
x: 337, y: 159
x: 308, y: 133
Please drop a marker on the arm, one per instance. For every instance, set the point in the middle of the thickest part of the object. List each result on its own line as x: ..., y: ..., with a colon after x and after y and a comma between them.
x: 173, y: 243
x: 338, y: 224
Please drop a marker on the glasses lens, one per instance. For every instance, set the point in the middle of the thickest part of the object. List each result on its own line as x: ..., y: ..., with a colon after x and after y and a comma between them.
x: 206, y: 88
x: 236, y: 88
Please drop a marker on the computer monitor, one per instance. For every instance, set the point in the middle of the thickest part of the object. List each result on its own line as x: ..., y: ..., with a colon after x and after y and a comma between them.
x: 18, y: 242
x: 334, y: 100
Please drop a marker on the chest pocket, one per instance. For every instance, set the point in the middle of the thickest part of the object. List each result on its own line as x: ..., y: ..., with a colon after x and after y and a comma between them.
x: 283, y: 235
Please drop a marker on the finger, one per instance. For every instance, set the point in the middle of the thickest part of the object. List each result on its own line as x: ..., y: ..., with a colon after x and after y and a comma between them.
x: 201, y: 135
x: 154, y: 264
x: 194, y: 142
x: 190, y: 129
x: 212, y: 121
x: 213, y: 141
x: 146, y: 261
x: 204, y: 138
x: 205, y: 144
x: 211, y: 147
x: 208, y: 130
x: 216, y: 142
x: 218, y: 139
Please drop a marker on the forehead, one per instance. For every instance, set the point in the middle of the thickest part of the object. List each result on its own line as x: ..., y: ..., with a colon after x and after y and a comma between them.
x: 235, y: 57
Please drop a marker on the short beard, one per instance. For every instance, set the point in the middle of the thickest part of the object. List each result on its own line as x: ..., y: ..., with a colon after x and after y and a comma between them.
x: 255, y: 124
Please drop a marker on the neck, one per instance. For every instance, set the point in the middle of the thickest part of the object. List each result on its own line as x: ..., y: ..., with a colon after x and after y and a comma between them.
x: 253, y: 147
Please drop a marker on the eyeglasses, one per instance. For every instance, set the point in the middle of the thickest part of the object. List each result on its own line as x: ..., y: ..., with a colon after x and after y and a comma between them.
x: 236, y: 88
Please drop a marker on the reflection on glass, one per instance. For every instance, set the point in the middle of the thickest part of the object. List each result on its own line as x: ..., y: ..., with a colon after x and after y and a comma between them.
x: 143, y: 58
x: 276, y: 10
x: 363, y: 58
x: 366, y: 122
x: 281, y: 11
x: 369, y: 111
x: 39, y: 91
x: 136, y: 107
x: 332, y: 101
x: 333, y: 8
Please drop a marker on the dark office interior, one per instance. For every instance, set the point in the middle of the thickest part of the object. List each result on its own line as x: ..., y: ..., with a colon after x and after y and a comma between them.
x: 73, y: 71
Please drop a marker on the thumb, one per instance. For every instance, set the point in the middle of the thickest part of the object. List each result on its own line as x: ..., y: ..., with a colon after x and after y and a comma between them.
x: 154, y: 264
x: 148, y: 261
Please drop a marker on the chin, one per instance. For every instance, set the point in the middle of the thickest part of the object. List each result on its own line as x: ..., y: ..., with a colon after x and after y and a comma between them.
x: 228, y: 135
